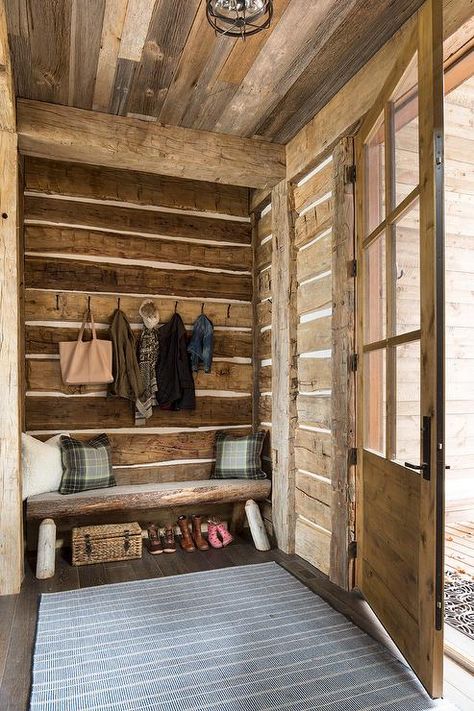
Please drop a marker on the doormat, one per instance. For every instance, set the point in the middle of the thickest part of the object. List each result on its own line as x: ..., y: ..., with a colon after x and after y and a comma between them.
x: 459, y: 603
x: 250, y: 638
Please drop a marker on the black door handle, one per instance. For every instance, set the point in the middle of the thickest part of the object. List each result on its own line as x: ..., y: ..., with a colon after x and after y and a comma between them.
x: 417, y: 467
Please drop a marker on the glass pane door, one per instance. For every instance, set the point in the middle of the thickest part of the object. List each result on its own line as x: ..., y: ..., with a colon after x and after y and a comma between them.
x: 391, y: 254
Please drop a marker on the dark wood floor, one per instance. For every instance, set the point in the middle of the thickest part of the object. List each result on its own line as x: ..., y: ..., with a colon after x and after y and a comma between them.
x: 18, y: 612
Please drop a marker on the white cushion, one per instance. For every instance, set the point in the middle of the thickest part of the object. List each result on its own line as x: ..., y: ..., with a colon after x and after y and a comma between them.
x: 41, y: 463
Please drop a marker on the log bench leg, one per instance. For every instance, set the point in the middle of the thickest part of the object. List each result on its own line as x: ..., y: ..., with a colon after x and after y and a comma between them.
x: 46, y: 559
x: 257, y: 527
x: 238, y: 517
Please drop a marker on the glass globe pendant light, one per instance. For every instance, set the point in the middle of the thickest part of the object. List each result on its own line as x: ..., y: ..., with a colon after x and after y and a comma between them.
x: 239, y: 18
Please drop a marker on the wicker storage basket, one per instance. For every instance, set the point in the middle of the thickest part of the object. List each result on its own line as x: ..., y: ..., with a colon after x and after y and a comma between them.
x: 104, y: 544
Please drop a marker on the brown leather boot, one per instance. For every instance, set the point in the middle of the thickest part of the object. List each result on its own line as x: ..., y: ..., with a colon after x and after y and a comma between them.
x: 199, y: 540
x: 186, y: 540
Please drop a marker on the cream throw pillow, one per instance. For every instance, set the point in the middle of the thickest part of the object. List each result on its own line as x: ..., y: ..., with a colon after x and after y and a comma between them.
x: 41, y: 462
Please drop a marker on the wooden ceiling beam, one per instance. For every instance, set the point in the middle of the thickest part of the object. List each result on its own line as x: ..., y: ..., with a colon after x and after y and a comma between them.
x: 66, y: 133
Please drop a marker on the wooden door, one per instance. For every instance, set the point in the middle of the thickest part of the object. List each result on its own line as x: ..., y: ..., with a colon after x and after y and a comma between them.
x: 400, y: 418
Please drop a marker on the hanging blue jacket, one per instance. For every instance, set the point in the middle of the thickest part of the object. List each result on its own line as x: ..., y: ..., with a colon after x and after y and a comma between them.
x: 201, y: 343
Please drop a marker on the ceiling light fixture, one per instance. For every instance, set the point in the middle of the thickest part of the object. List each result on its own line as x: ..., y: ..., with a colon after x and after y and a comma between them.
x: 239, y: 18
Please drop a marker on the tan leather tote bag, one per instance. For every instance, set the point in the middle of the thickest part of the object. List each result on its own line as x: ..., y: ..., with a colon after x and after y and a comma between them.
x: 86, y: 362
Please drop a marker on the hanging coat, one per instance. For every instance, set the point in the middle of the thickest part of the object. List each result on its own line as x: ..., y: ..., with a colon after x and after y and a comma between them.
x: 128, y: 381
x: 201, y: 343
x: 173, y: 372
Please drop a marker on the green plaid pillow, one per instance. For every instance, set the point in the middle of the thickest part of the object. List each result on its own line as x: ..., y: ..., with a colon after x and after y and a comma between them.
x: 239, y: 457
x: 86, y: 465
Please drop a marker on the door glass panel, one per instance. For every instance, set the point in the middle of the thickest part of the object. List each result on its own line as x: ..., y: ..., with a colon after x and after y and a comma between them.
x: 375, y: 177
x: 405, y: 133
x: 406, y: 234
x: 374, y: 400
x: 375, y: 317
x: 408, y: 433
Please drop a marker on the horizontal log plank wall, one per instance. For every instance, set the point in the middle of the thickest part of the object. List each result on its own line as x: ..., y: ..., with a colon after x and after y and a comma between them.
x: 104, y: 234
x: 262, y: 251
x: 313, y: 196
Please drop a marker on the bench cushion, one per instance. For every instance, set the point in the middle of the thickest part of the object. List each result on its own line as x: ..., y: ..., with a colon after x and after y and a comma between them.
x: 146, y: 496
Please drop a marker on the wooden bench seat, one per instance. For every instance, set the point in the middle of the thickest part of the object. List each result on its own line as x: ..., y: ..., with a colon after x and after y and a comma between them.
x: 146, y: 496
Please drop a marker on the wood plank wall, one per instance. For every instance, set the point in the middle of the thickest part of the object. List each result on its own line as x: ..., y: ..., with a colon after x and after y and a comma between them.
x: 313, y: 440
x: 107, y: 234
x: 262, y: 268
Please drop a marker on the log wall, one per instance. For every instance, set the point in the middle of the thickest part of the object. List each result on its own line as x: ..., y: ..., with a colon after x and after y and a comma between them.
x: 262, y: 270
x: 313, y: 441
x: 101, y: 234
x: 319, y: 503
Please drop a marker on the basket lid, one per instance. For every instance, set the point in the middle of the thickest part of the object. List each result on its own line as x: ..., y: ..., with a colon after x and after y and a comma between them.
x: 110, y: 530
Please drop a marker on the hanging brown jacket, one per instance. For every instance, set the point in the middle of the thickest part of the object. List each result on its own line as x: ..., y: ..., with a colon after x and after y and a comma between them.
x: 173, y: 370
x: 128, y: 382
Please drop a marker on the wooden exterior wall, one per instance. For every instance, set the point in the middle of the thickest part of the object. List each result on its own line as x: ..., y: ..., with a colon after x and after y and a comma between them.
x: 459, y: 194
x: 106, y: 235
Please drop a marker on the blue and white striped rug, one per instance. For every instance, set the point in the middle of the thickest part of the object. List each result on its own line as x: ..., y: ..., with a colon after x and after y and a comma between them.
x: 239, y: 639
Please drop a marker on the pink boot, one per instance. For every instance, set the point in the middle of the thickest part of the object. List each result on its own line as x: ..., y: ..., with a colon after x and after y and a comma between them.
x: 224, y: 534
x: 212, y: 536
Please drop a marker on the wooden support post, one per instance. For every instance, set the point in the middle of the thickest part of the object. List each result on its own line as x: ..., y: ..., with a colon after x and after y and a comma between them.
x: 343, y: 379
x: 11, y: 534
x: 46, y: 557
x: 284, y: 322
x: 238, y: 517
x: 257, y: 527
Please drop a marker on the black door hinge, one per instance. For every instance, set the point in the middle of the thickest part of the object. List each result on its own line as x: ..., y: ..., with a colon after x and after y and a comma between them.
x: 354, y: 362
x: 352, y: 456
x: 353, y: 268
x: 352, y: 550
x: 351, y: 174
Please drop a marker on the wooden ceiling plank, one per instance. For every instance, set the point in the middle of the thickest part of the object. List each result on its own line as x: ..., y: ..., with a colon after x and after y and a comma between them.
x: 40, y: 40
x: 86, y: 32
x: 209, y: 96
x: 347, y: 107
x: 186, y: 83
x: 77, y: 135
x: 7, y: 92
x: 169, y: 28
x: 244, y: 53
x: 135, y: 29
x: 339, y: 59
x: 295, y: 41
x: 114, y: 18
x: 124, y: 77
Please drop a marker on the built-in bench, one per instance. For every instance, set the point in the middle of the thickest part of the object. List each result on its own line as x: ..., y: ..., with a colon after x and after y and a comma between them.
x: 140, y: 497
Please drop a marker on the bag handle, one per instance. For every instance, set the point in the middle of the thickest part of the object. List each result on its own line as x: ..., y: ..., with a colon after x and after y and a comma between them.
x: 88, y: 318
